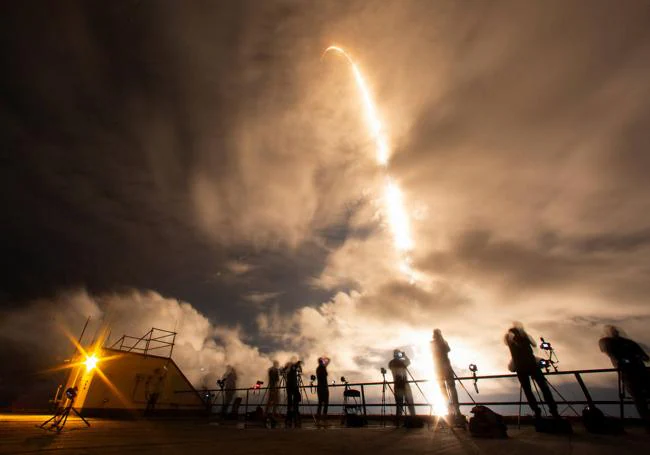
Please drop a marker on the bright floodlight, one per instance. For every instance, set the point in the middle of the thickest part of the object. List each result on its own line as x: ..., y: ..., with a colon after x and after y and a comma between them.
x: 91, y: 362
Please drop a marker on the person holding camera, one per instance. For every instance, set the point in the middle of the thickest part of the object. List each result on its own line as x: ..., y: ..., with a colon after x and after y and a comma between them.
x: 294, y: 370
x: 398, y: 366
x: 322, y: 389
x: 629, y: 358
x: 444, y: 371
x: 525, y: 364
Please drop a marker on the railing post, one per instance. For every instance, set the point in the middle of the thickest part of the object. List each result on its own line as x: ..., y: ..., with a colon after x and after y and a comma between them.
x: 621, y: 394
x: 246, y: 409
x: 363, y: 399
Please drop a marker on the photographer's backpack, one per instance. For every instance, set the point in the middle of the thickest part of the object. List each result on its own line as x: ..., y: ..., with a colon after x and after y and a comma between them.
x: 486, y: 423
x: 593, y: 418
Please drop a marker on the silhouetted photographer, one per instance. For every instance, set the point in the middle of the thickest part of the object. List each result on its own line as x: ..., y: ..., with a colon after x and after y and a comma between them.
x: 229, y: 382
x: 399, y: 367
x: 526, y: 366
x: 444, y: 371
x: 293, y: 372
x: 274, y: 389
x: 629, y: 358
x: 322, y: 389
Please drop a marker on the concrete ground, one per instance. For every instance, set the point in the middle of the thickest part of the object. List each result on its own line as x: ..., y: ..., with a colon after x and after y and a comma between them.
x: 20, y: 434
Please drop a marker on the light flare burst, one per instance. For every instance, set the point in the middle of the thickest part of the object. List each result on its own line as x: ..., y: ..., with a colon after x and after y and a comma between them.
x: 400, y: 226
x: 91, y: 362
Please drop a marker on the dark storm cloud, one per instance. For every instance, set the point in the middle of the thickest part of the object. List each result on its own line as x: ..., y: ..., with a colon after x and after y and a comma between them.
x: 611, y: 265
x: 108, y: 111
x: 99, y: 151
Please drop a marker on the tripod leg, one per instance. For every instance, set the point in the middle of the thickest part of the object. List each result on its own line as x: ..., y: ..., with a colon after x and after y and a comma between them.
x: 519, y: 413
x: 65, y: 419
x: 48, y: 420
x: 383, y: 407
x: 563, y: 399
x: 81, y: 417
x: 421, y: 392
x: 311, y: 411
x: 539, y: 397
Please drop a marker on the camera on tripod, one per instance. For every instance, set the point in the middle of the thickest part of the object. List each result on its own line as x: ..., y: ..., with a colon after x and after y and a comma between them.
x: 551, y: 360
x: 473, y: 368
x: 71, y: 393
x: 383, y: 370
x: 221, y: 383
x: 546, y: 364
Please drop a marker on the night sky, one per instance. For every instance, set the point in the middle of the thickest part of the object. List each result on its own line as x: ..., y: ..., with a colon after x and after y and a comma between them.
x: 156, y: 153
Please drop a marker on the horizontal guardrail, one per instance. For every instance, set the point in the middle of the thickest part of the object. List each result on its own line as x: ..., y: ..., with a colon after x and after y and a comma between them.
x: 214, y: 397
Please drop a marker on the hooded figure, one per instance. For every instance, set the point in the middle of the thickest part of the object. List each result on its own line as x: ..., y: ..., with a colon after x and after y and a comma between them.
x: 294, y: 370
x: 444, y: 372
x: 322, y: 388
x: 525, y: 365
x: 629, y: 358
x: 230, y: 384
x: 274, y: 388
x: 398, y: 366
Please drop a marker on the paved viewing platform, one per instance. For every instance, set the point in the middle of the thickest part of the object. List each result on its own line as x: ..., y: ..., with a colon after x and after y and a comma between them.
x: 20, y: 434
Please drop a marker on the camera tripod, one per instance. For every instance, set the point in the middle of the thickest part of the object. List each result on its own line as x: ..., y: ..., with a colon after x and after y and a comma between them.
x: 465, y: 388
x: 549, y: 361
x: 421, y: 392
x: 558, y: 393
x: 60, y: 417
x: 303, y: 392
x: 385, y: 385
x: 213, y: 400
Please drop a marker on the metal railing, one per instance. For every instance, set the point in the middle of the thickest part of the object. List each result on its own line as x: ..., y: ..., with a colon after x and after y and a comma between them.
x: 254, y: 396
x: 153, y: 340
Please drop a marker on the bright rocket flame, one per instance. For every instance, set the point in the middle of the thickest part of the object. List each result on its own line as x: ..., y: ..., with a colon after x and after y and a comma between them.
x: 395, y: 211
x: 91, y: 362
x: 423, y: 359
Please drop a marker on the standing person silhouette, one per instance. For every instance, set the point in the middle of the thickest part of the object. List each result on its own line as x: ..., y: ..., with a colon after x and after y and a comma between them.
x: 274, y: 389
x: 322, y: 388
x: 230, y: 384
x: 444, y: 371
x: 398, y: 367
x: 294, y: 370
x: 629, y: 358
x: 525, y: 365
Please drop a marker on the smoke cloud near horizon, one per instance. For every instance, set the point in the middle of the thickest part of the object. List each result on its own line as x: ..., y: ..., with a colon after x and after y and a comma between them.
x: 349, y: 329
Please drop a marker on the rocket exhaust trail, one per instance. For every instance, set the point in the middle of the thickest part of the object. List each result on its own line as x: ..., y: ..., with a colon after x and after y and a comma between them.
x: 394, y: 208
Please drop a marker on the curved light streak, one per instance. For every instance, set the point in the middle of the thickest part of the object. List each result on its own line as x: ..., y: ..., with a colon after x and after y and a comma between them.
x: 395, y: 210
